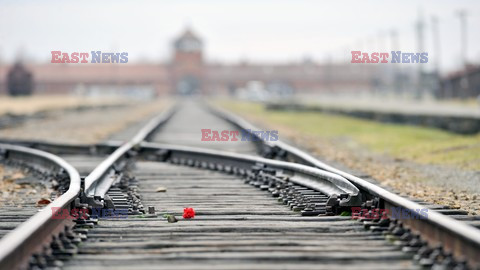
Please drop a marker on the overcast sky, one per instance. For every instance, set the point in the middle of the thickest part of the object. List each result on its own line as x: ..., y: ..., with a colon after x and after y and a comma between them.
x: 253, y: 30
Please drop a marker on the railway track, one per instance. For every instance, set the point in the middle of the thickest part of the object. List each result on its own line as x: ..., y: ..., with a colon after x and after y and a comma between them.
x: 20, y: 243
x: 258, y: 205
x: 30, y: 185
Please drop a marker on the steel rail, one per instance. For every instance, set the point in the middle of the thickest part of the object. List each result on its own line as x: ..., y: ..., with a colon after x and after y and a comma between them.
x: 66, y: 148
x: 461, y: 239
x: 29, y: 237
x: 101, y: 178
x: 456, y: 237
x: 328, y: 183
x: 337, y: 185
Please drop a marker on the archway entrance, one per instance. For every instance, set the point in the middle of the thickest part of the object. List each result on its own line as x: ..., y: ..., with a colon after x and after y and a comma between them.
x: 188, y: 85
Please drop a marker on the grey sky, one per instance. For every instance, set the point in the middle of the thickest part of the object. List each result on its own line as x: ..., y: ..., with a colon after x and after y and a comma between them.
x: 257, y: 31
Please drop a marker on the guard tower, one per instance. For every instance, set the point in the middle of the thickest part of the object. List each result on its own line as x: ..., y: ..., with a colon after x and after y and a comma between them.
x: 187, y: 65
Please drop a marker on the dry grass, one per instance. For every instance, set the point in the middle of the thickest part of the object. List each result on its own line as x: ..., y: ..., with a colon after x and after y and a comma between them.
x: 33, y: 104
x: 417, y: 144
x: 86, y: 126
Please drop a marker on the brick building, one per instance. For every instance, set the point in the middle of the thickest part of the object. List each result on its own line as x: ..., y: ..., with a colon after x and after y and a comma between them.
x: 188, y: 73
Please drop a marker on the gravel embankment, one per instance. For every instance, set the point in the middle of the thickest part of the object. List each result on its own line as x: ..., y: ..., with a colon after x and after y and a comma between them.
x: 445, y: 185
x: 90, y: 125
x: 19, y: 189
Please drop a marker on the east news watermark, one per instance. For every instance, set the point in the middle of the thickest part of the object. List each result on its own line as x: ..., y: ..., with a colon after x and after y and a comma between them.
x: 394, y: 57
x: 394, y: 212
x: 94, y: 57
x: 79, y: 213
x: 246, y: 135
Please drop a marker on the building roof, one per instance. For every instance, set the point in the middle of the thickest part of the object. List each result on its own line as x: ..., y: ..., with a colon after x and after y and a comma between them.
x: 188, y: 41
x: 95, y: 73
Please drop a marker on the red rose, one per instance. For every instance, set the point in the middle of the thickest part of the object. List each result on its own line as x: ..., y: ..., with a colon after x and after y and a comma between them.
x: 188, y: 212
